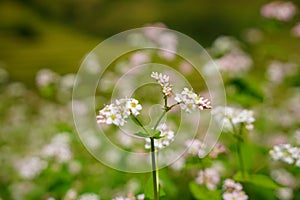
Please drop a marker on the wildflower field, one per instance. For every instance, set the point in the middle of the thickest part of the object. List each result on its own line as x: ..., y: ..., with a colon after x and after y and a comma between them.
x: 166, y: 119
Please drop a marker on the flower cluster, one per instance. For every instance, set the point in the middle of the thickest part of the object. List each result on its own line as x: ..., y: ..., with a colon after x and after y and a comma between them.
x: 235, y: 61
x: 286, y: 153
x: 167, y: 136
x: 296, y: 30
x: 277, y: 71
x: 117, y: 113
x: 279, y: 10
x: 195, y: 147
x: 30, y: 167
x: 209, y: 177
x: 130, y: 197
x: 89, y: 196
x: 190, y: 101
x: 230, y: 117
x: 233, y: 191
x: 58, y: 149
x: 163, y: 80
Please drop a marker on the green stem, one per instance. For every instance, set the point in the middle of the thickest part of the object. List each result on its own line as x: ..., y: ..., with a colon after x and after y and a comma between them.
x: 240, y: 158
x: 140, y: 124
x: 239, y: 137
x: 154, y: 171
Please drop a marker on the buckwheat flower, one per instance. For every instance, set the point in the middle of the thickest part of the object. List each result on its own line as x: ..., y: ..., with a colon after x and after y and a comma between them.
x: 209, y: 177
x: 296, y: 30
x: 134, y: 106
x: 46, y: 77
x: 163, y: 80
x: 167, y: 136
x: 235, y: 62
x: 219, y: 148
x: 286, y: 153
x: 277, y: 71
x: 235, y: 195
x: 121, y: 198
x: 30, y: 167
x: 89, y: 196
x: 117, y: 113
x: 139, y: 58
x: 190, y: 101
x: 285, y: 193
x: 283, y: 177
x: 229, y: 117
x: 194, y: 146
x: 279, y: 10
x: 58, y: 148
x: 233, y: 191
x: 231, y: 185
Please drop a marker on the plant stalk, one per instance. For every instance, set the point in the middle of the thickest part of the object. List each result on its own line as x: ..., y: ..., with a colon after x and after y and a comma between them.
x: 154, y: 171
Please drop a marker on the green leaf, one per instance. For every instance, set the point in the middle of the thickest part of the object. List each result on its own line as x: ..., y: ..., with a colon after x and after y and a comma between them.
x: 202, y: 193
x: 149, y: 190
x: 260, y: 180
x: 263, y: 181
x: 141, y: 134
x: 155, y: 134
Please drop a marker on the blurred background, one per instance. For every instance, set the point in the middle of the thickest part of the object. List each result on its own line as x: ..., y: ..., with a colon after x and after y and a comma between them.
x: 42, y: 44
x: 57, y: 34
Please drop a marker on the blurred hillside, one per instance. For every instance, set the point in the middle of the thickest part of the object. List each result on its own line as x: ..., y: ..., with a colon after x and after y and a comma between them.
x: 56, y: 34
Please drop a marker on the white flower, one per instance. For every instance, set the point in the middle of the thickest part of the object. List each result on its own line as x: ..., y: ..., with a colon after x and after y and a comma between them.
x: 286, y: 153
x: 233, y: 191
x: 279, y: 10
x: 117, y: 113
x: 139, y: 58
x: 163, y: 80
x: 190, y: 101
x: 296, y: 30
x: 209, y: 177
x: 229, y: 117
x: 235, y: 195
x: 167, y: 136
x: 30, y: 167
x: 235, y: 61
x: 230, y: 185
x: 46, y: 77
x: 285, y: 193
x: 89, y: 196
x: 59, y: 148
x: 195, y: 147
x: 134, y: 106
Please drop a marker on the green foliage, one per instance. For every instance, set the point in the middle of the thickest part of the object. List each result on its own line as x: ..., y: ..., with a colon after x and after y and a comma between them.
x: 202, y: 193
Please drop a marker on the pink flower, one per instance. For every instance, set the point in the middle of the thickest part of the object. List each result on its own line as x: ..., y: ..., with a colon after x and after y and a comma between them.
x: 279, y: 10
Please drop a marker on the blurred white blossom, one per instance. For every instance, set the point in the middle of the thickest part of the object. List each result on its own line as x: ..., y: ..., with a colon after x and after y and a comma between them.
x: 138, y: 58
x: 209, y: 177
x: 234, y: 62
x: 286, y: 153
x: 195, y: 147
x: 285, y: 193
x: 277, y: 71
x: 89, y: 196
x: 59, y: 148
x: 233, y: 191
x: 279, y: 10
x: 231, y: 117
x: 296, y: 30
x: 30, y: 167
x: 46, y: 77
